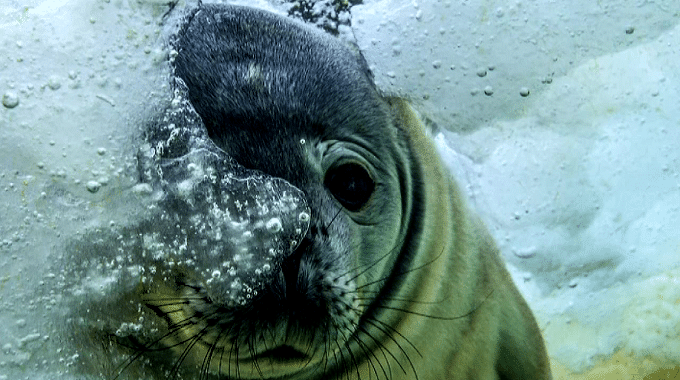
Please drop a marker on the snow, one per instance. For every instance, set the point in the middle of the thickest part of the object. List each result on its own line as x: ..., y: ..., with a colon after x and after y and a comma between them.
x: 561, y: 120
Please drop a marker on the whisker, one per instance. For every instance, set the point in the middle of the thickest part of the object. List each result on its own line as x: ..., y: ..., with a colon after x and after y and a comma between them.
x: 469, y: 313
x: 410, y: 270
x: 368, y: 354
x: 389, y: 335
x: 382, y: 349
x: 358, y: 271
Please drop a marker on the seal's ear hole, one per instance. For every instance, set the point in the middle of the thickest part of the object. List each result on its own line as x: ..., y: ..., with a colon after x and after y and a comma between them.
x: 350, y: 184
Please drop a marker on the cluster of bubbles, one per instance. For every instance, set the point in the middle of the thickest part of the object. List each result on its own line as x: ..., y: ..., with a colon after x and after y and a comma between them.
x: 226, y: 225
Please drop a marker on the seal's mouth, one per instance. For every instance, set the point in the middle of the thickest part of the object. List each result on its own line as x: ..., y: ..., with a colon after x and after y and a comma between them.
x: 282, y: 354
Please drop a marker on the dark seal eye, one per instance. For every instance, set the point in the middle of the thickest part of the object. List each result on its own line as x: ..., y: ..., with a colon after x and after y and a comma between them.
x: 350, y: 184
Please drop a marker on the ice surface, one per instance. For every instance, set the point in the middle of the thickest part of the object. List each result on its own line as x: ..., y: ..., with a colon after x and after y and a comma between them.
x: 572, y: 159
x: 579, y: 179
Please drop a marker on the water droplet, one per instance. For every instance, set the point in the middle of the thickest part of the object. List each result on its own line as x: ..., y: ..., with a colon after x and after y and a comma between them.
x: 437, y: 64
x: 10, y: 99
x: 101, y: 151
x: 630, y: 30
x: 481, y: 72
x: 524, y: 92
x: 488, y: 90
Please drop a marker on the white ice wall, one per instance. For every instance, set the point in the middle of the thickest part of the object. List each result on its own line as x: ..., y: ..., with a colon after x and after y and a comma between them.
x: 579, y: 181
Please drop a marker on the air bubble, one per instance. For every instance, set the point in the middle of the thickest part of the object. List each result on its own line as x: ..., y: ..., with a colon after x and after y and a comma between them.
x: 54, y: 82
x: 142, y: 189
x: 93, y: 186
x: 274, y: 225
x: 303, y: 217
x: 10, y: 99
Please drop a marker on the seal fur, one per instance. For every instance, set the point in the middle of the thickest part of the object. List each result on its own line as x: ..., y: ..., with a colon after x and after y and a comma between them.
x: 394, y: 279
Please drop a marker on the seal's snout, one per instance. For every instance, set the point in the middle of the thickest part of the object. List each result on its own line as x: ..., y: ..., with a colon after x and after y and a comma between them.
x: 294, y: 292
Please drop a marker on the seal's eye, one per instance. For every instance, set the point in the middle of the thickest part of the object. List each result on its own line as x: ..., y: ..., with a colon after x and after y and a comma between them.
x: 350, y: 184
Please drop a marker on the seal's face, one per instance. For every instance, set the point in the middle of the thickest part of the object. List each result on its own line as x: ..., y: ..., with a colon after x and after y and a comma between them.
x: 299, y: 226
x: 294, y: 104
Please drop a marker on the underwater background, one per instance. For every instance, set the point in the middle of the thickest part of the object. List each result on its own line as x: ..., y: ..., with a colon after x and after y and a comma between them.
x: 561, y: 120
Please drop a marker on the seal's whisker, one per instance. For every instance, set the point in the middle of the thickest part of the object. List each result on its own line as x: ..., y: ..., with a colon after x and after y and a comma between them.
x: 351, y: 355
x: 234, y: 349
x: 185, y: 352
x: 406, y: 311
x: 381, y: 344
x: 388, y: 331
x: 361, y: 269
x: 369, y: 356
x: 382, y: 349
x: 346, y: 364
x: 396, y: 299
x: 207, y: 359
x: 333, y: 219
x: 326, y: 348
x: 429, y: 262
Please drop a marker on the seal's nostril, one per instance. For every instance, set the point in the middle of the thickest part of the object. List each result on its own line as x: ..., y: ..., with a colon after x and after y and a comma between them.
x: 290, y: 267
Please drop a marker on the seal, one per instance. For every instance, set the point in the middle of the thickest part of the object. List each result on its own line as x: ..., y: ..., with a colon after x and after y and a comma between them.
x: 390, y: 276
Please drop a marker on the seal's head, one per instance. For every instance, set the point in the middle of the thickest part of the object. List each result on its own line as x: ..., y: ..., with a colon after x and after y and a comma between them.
x: 296, y: 104
x: 302, y: 226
